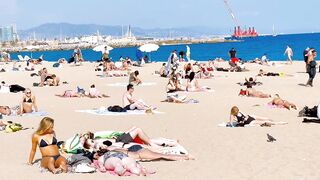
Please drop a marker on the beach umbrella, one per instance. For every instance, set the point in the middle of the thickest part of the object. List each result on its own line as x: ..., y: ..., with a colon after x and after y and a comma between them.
x: 149, y: 48
x: 102, y: 48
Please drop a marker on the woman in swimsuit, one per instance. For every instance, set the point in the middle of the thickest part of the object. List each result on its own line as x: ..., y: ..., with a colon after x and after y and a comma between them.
x: 45, y: 138
x: 119, y: 162
x: 282, y: 103
x: 193, y: 85
x: 251, y: 92
x: 123, y: 144
x: 239, y: 119
x: 28, y: 104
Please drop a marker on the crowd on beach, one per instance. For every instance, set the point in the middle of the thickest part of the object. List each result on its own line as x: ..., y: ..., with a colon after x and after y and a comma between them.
x: 121, y: 152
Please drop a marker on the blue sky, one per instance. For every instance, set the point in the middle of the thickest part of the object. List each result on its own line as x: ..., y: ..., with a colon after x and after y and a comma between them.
x: 288, y: 16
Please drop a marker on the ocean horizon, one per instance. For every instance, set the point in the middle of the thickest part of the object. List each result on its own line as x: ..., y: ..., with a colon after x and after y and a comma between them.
x: 247, y: 49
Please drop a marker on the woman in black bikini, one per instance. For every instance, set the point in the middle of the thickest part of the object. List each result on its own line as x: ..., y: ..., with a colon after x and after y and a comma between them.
x: 28, y: 104
x: 240, y: 120
x: 45, y: 138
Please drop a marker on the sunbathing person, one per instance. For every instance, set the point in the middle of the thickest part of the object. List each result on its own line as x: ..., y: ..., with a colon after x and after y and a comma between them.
x: 262, y: 73
x: 193, y: 85
x: 118, y: 162
x: 251, y: 92
x: 162, y: 70
x: 45, y: 138
x: 28, y: 104
x: 131, y: 104
x: 133, y: 78
x: 282, y: 103
x: 52, y: 80
x: 94, y: 93
x: 30, y: 66
x: 136, y: 151
x: 172, y: 88
x: 5, y: 110
x: 239, y: 119
x: 70, y: 94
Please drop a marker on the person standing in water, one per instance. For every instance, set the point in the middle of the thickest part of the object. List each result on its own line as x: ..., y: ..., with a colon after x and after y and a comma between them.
x: 289, y: 53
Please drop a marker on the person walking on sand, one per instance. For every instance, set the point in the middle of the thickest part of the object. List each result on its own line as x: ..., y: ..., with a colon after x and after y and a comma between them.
x: 289, y: 53
x: 311, y: 67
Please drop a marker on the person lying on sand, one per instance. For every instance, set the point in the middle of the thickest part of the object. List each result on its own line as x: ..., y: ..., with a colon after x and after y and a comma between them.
x: 136, y: 151
x: 262, y: 73
x: 282, y: 103
x: 91, y: 93
x: 129, y: 103
x: 94, y: 93
x: 118, y: 162
x: 45, y: 138
x: 251, y: 92
x: 239, y: 119
x: 5, y: 110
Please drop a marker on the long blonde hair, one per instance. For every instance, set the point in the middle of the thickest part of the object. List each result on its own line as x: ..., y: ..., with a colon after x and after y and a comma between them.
x: 234, y: 110
x: 45, y: 124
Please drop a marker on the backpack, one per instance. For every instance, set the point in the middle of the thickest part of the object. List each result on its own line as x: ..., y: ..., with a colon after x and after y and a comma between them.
x: 116, y: 108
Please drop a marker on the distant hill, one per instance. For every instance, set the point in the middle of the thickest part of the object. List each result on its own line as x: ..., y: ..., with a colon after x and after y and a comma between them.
x: 55, y: 30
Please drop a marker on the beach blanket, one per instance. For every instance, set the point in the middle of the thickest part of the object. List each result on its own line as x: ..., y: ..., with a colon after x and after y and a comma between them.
x: 39, y: 113
x: 105, y: 112
x: 224, y: 124
x: 270, y: 105
x: 125, y: 84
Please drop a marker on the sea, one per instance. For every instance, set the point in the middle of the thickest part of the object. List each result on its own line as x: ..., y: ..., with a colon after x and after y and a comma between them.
x: 247, y: 49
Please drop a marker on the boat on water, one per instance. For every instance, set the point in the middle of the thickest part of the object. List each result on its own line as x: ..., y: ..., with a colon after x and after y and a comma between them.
x: 240, y: 34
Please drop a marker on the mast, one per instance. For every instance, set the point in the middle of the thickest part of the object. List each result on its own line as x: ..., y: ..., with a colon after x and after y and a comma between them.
x: 231, y: 13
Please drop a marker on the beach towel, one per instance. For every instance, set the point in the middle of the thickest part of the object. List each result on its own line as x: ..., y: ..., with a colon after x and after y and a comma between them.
x: 39, y: 113
x: 270, y: 105
x: 125, y: 84
x: 224, y: 124
x: 105, y: 112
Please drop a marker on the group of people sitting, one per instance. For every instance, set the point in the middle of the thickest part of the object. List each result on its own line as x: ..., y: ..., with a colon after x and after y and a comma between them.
x: 27, y: 105
x: 120, y: 152
x: 48, y: 79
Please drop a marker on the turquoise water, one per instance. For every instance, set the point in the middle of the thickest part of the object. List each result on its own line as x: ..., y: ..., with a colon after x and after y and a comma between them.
x: 247, y: 49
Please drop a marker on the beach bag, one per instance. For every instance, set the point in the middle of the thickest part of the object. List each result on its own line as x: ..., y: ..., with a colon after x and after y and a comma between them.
x: 73, y: 144
x: 116, y: 108
x: 13, y: 128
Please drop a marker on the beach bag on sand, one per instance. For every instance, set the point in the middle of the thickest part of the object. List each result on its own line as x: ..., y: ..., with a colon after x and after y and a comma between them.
x: 116, y: 108
x: 13, y: 128
x: 73, y: 144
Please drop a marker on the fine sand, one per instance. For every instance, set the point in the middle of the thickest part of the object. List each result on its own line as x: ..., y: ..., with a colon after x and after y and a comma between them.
x: 221, y: 153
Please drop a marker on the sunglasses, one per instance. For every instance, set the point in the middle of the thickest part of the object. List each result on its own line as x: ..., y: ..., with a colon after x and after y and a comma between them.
x: 28, y: 92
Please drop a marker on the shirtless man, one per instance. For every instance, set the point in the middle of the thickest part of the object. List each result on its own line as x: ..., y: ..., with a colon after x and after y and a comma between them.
x: 131, y: 104
x: 289, y: 53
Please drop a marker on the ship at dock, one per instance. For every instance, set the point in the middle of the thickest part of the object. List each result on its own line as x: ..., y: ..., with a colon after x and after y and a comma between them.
x: 239, y: 33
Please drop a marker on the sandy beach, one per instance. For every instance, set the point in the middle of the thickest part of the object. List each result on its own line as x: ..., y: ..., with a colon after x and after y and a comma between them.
x: 221, y: 153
